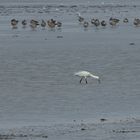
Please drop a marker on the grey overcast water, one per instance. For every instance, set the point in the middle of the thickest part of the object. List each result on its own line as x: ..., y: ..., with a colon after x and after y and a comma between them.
x: 37, y: 82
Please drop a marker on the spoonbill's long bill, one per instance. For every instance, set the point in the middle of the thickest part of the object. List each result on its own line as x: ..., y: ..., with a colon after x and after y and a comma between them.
x: 85, y: 74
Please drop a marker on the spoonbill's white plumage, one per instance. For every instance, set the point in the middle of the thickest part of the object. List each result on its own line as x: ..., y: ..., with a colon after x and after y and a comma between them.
x: 85, y: 74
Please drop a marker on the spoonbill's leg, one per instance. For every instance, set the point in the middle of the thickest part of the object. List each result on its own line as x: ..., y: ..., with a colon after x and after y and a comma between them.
x: 81, y: 79
x: 86, y: 80
x: 99, y: 81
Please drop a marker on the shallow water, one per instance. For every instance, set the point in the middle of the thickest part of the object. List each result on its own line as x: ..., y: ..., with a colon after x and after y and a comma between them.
x: 37, y: 82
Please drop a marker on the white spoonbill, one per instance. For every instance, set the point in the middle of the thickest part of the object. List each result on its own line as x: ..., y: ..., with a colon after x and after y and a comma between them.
x: 85, y: 74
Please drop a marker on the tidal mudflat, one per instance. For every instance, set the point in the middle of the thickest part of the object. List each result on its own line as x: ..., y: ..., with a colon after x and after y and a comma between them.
x: 40, y: 98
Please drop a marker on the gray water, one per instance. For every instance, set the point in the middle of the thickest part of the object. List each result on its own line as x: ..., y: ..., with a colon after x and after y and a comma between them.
x: 37, y: 82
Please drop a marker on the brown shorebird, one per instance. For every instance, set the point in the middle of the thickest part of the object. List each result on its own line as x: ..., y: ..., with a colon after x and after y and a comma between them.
x: 113, y: 21
x: 85, y: 24
x: 34, y: 23
x: 125, y: 20
x: 136, y: 22
x: 92, y: 21
x: 103, y: 23
x: 80, y: 18
x: 51, y: 23
x: 97, y: 22
x: 24, y: 23
x: 43, y: 24
x: 14, y: 23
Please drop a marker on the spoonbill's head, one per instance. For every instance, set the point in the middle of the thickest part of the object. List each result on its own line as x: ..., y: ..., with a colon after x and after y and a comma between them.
x: 97, y: 77
x: 99, y: 80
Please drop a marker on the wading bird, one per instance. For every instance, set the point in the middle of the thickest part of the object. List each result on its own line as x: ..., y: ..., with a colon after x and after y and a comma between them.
x: 85, y: 24
x: 24, y: 23
x: 80, y: 18
x: 103, y: 23
x: 97, y: 22
x: 14, y: 23
x: 85, y: 75
x: 136, y: 22
x: 113, y: 21
x: 125, y: 20
x: 34, y: 24
x: 43, y: 24
x: 51, y: 23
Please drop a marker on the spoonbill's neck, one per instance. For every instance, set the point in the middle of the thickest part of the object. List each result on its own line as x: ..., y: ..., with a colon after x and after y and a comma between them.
x: 96, y: 77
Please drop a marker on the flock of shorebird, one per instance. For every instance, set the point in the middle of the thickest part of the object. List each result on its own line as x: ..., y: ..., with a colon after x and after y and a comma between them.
x: 34, y: 23
x: 53, y: 23
x: 112, y: 21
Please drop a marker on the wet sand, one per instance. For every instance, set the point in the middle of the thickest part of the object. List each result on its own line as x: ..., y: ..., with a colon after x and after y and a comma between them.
x: 101, y: 129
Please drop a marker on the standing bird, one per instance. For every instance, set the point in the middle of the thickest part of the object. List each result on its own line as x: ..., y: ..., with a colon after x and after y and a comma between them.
x: 113, y: 21
x: 51, y: 23
x: 136, y: 22
x: 80, y: 18
x: 34, y: 24
x: 125, y: 20
x: 85, y: 24
x: 97, y: 22
x: 14, y: 23
x: 103, y: 23
x: 43, y: 24
x: 85, y: 74
x: 24, y: 23
x: 92, y: 21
